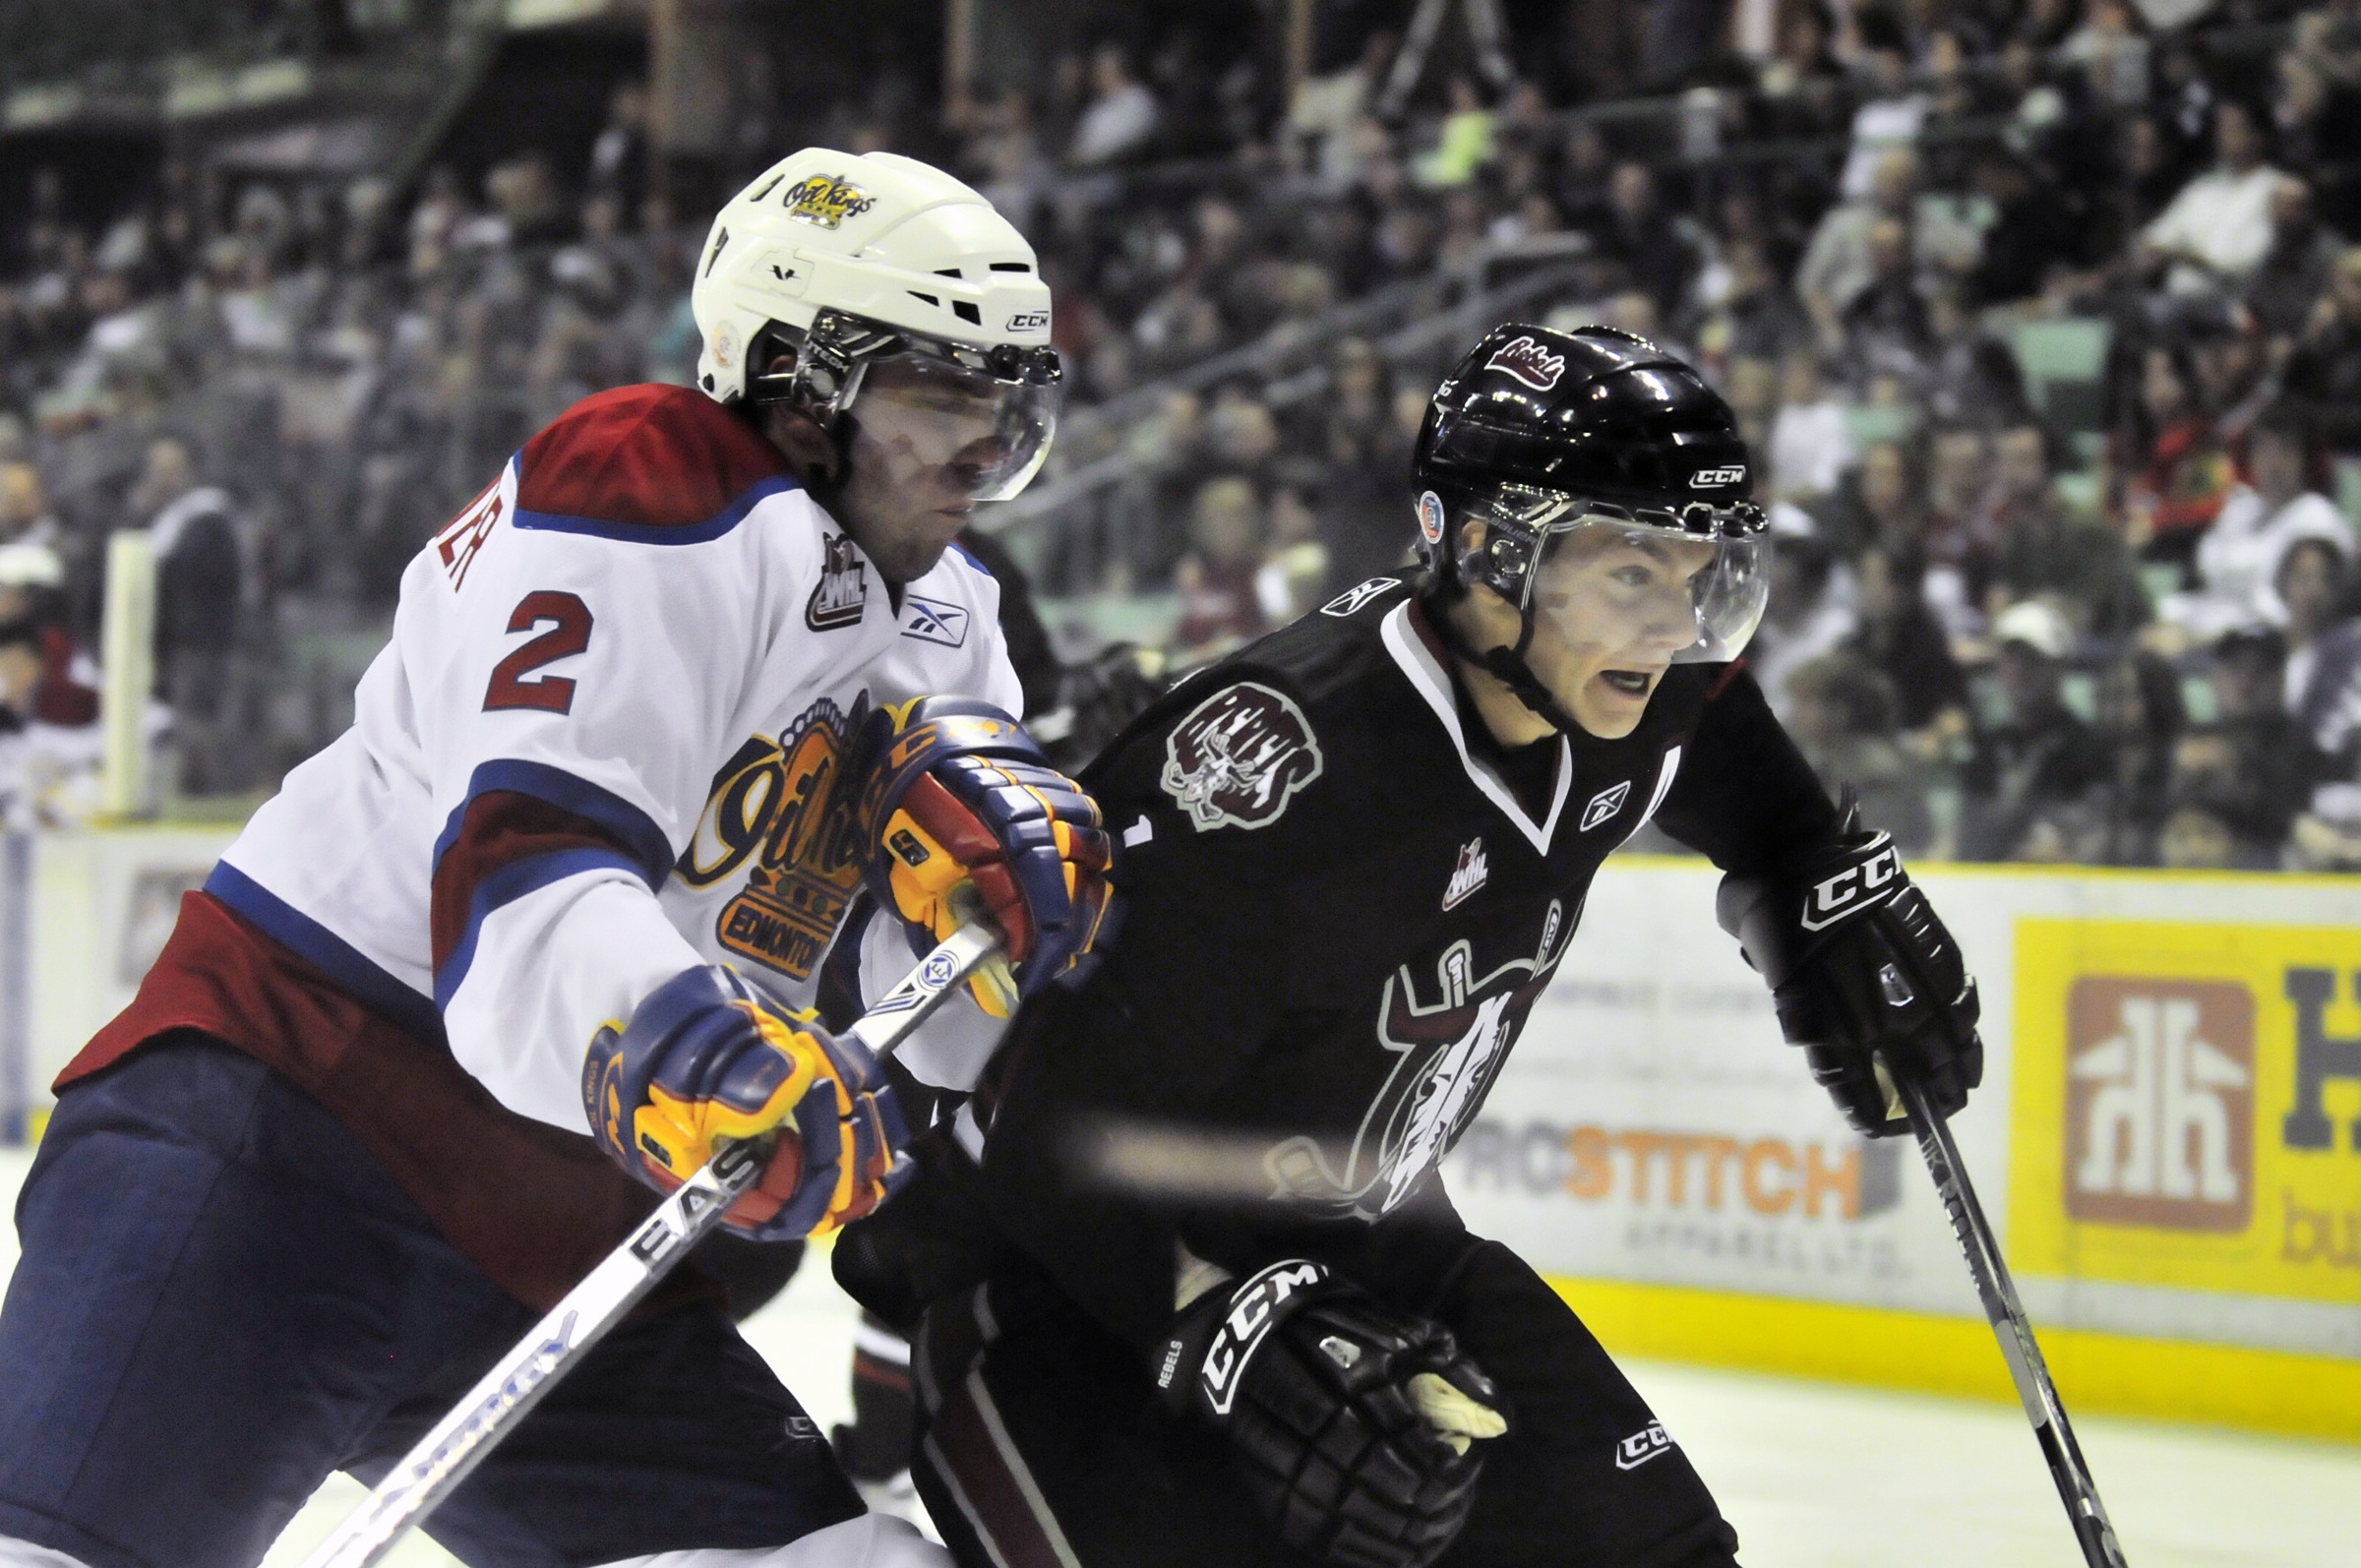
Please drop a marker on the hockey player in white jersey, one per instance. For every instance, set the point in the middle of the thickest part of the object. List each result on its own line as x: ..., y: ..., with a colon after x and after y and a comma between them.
x: 530, y: 937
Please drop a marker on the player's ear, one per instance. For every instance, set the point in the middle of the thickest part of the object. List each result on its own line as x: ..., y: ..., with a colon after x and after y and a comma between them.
x: 809, y: 452
x: 1472, y: 534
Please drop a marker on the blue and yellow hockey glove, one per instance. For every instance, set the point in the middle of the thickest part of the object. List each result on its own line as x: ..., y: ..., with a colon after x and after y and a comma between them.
x: 955, y: 796
x: 710, y: 1059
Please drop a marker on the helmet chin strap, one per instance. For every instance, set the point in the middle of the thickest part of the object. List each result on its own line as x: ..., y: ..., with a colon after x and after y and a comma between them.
x: 1505, y: 665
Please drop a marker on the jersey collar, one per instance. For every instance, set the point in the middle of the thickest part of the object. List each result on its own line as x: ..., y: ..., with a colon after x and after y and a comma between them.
x: 1424, y: 668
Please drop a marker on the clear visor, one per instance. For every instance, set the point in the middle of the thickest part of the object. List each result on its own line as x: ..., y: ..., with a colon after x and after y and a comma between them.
x: 973, y: 433
x: 1638, y: 596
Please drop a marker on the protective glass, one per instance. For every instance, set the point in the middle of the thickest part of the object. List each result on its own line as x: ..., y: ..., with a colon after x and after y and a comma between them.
x: 989, y: 432
x: 1610, y: 585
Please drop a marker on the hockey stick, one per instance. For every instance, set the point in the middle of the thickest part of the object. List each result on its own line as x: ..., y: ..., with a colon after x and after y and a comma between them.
x: 2013, y: 1328
x: 499, y: 1399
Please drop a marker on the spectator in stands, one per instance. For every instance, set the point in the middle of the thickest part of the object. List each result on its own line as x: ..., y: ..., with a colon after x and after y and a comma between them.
x: 1900, y: 637
x: 2255, y: 768
x: 1883, y: 502
x: 2040, y: 755
x: 1837, y: 264
x: 1887, y: 329
x: 1362, y: 516
x: 1656, y: 250
x: 1758, y: 317
x: 1219, y: 607
x: 2141, y: 717
x: 2176, y: 473
x: 2026, y: 241
x: 2218, y: 227
x: 2324, y: 371
x: 2042, y: 549
x: 200, y: 583
x: 1811, y: 439
x: 1122, y: 116
x: 1840, y: 710
x: 2238, y: 559
x: 2296, y: 272
x: 1810, y: 614
x: 2323, y: 644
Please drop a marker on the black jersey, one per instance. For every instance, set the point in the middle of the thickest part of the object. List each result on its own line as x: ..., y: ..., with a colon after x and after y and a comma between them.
x: 1341, y: 898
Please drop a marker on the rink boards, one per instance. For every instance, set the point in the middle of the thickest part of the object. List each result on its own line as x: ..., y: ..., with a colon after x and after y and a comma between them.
x: 2168, y: 1132
x: 2168, y: 1135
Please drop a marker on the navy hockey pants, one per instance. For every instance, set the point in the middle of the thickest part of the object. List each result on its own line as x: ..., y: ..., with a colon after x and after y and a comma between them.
x: 223, y: 1298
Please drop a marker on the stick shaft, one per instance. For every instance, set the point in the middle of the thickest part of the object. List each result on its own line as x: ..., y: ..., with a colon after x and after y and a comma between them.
x: 502, y: 1397
x: 2036, y: 1389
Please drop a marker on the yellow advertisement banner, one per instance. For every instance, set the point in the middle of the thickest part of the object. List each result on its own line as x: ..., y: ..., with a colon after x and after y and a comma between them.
x: 2188, y: 1105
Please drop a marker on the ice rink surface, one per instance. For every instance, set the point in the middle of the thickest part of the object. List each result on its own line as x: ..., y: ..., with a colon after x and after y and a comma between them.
x: 1813, y: 1474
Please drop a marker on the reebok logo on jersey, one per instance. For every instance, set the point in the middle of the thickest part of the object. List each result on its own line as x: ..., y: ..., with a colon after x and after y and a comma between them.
x: 933, y: 621
x: 1605, y: 804
x: 1646, y: 1444
x: 841, y: 595
x: 1361, y: 593
x: 1467, y: 876
x: 1528, y: 362
x: 1238, y: 757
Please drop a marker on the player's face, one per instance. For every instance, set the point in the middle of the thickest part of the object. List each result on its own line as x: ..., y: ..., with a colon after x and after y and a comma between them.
x: 1612, y: 608
x: 930, y: 439
x: 910, y: 481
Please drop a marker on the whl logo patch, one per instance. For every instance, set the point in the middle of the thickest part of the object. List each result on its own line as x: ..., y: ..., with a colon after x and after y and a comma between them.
x: 1467, y: 876
x: 2160, y: 1102
x: 1649, y: 1443
x: 841, y: 596
x: 1528, y: 362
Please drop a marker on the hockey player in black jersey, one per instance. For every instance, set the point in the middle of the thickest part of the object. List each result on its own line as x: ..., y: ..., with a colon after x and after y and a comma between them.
x: 1186, y: 1286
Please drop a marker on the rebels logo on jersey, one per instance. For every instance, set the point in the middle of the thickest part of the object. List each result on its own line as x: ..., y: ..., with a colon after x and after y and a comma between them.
x: 1450, y: 1041
x: 1238, y: 757
x: 775, y: 804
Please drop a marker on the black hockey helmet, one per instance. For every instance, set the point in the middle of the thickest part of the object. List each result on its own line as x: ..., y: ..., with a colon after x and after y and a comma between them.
x: 1547, y: 436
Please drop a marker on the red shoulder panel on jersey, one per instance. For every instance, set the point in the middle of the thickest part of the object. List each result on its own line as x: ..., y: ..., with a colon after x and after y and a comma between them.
x: 644, y: 456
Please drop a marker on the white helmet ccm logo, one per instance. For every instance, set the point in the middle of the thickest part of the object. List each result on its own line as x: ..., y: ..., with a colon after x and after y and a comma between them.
x: 1029, y: 321
x: 1854, y: 889
x: 1710, y: 478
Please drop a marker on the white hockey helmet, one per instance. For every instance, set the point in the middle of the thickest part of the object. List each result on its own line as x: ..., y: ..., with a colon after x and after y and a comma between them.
x: 858, y: 262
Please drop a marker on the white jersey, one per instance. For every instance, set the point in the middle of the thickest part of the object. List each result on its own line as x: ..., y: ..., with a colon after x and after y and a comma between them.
x: 604, y: 745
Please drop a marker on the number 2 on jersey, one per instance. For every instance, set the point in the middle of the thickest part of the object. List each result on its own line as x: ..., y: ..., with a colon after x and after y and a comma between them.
x: 552, y: 693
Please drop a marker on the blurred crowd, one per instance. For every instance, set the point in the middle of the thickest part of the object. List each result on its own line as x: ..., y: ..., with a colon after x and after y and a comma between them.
x: 2039, y: 314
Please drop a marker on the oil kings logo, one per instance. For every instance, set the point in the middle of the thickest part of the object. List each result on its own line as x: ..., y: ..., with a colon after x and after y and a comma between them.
x: 826, y: 199
x: 775, y: 814
x: 2159, y: 1103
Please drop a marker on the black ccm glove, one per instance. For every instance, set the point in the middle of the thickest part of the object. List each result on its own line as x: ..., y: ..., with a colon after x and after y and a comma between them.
x: 1860, y: 968
x: 1350, y: 1423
